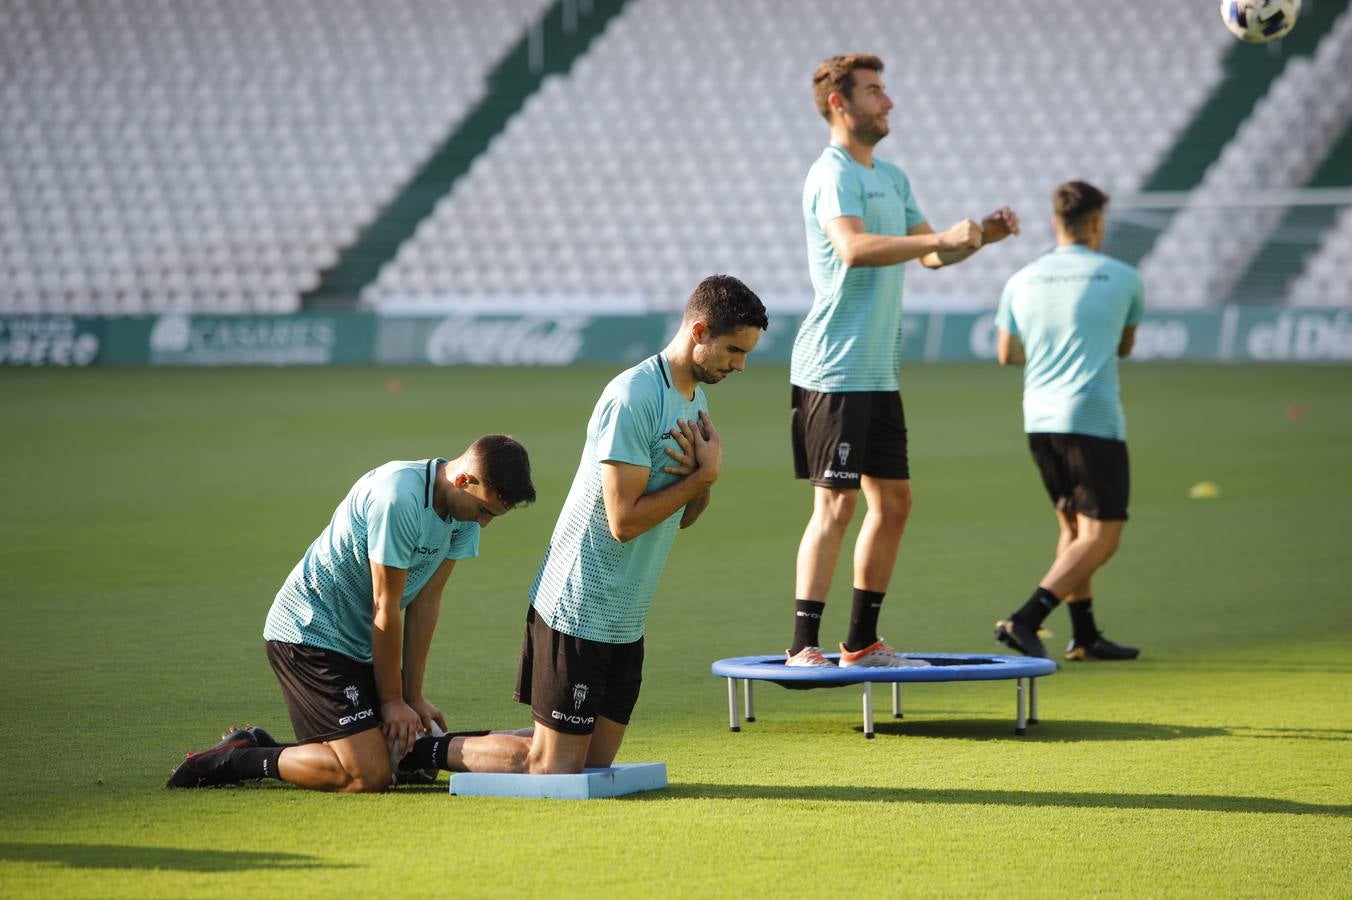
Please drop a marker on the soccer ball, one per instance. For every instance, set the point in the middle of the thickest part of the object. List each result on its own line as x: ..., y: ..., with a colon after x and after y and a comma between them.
x: 1260, y: 21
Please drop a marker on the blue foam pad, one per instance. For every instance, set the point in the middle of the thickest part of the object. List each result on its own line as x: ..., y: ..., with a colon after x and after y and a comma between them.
x: 590, y: 784
x: 942, y: 667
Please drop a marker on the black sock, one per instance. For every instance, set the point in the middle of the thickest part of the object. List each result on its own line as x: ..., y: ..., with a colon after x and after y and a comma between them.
x: 256, y: 762
x: 1038, y: 607
x: 428, y: 753
x: 1082, y: 621
x: 863, y: 619
x: 807, y: 623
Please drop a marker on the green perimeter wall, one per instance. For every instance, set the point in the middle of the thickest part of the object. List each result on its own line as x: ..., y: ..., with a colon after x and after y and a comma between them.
x: 1234, y: 334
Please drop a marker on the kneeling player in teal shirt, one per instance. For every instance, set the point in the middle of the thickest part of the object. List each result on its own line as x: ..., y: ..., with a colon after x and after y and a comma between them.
x: 350, y: 667
x: 1068, y: 316
x: 582, y: 656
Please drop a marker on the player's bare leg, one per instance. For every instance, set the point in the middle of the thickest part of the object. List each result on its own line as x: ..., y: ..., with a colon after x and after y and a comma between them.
x: 555, y: 753
x: 1068, y: 532
x: 1087, y: 642
x: 875, y: 549
x: 818, y: 551
x: 875, y: 556
x: 1083, y: 546
x: 359, y: 763
x: 605, y: 743
x: 1094, y: 544
x: 496, y: 752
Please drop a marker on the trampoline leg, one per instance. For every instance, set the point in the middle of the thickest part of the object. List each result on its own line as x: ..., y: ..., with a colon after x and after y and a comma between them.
x: 1032, y: 701
x: 732, y: 705
x: 868, y: 710
x: 746, y: 693
x: 896, y: 700
x: 1020, y: 723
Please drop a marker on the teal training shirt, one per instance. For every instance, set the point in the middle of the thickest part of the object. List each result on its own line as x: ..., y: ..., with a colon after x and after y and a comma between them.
x: 589, y: 584
x: 387, y: 517
x: 1069, y: 307
x: 851, y: 338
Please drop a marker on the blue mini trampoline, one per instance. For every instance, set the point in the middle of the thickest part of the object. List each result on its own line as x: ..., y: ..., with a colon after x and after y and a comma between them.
x: 1023, y: 670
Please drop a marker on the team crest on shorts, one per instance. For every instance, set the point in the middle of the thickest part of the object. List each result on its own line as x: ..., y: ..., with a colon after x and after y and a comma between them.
x: 352, y: 694
x: 843, y: 453
x: 579, y: 696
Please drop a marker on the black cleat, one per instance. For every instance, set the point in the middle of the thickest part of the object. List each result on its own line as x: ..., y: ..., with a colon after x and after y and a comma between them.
x: 210, y: 768
x: 1100, y: 648
x: 1021, y: 637
x: 416, y: 776
x: 402, y: 774
x: 258, y: 737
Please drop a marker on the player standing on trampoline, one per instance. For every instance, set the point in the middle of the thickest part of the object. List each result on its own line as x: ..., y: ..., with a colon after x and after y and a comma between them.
x: 349, y: 632
x: 582, y: 656
x: 1068, y: 316
x: 849, y: 430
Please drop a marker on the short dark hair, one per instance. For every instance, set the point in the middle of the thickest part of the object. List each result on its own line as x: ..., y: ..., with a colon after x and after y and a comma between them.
x: 836, y: 75
x: 724, y: 304
x: 504, y: 466
x: 1075, y: 203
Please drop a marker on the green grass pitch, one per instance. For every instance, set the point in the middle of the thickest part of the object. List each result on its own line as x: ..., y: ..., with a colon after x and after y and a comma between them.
x: 148, y: 517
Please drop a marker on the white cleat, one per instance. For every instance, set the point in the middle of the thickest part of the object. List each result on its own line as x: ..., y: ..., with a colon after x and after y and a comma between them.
x: 808, y: 658
x: 879, y: 655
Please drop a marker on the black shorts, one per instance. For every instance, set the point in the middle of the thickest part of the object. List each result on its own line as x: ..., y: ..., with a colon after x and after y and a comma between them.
x: 569, y: 681
x: 1084, y: 475
x: 328, y: 695
x: 839, y: 437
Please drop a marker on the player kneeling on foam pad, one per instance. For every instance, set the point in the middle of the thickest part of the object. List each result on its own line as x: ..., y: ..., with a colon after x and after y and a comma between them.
x: 349, y: 632
x: 651, y: 456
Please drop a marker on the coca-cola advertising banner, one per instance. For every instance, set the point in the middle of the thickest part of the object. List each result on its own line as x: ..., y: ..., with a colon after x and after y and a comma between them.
x: 532, y: 340
x: 1233, y: 334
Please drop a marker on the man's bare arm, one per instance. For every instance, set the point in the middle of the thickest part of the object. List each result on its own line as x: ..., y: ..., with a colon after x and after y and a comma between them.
x: 995, y: 227
x: 1008, y: 348
x: 694, y: 509
x: 420, y: 623
x: 857, y: 247
x: 1124, y: 347
x: 400, y: 722
x: 631, y: 512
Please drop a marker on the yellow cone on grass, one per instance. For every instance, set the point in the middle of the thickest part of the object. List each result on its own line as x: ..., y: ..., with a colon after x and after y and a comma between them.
x: 1204, y: 490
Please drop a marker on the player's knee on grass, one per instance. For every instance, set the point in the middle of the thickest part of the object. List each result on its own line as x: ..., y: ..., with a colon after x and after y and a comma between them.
x: 555, y: 753
x: 370, y: 780
x: 364, y: 762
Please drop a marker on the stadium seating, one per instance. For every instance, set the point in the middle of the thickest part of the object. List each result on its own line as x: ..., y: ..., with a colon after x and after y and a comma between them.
x: 160, y: 155
x: 1207, y: 247
x: 677, y: 145
x: 216, y: 157
x: 1327, y: 278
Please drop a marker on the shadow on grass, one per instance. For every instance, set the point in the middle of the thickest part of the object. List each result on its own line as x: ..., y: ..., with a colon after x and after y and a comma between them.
x: 120, y: 856
x: 970, y: 797
x: 1048, y: 730
x: 1295, y: 734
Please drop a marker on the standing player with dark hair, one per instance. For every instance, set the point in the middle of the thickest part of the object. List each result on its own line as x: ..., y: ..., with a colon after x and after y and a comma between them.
x: 651, y: 456
x: 849, y: 430
x: 1068, y: 316
x: 351, y: 668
